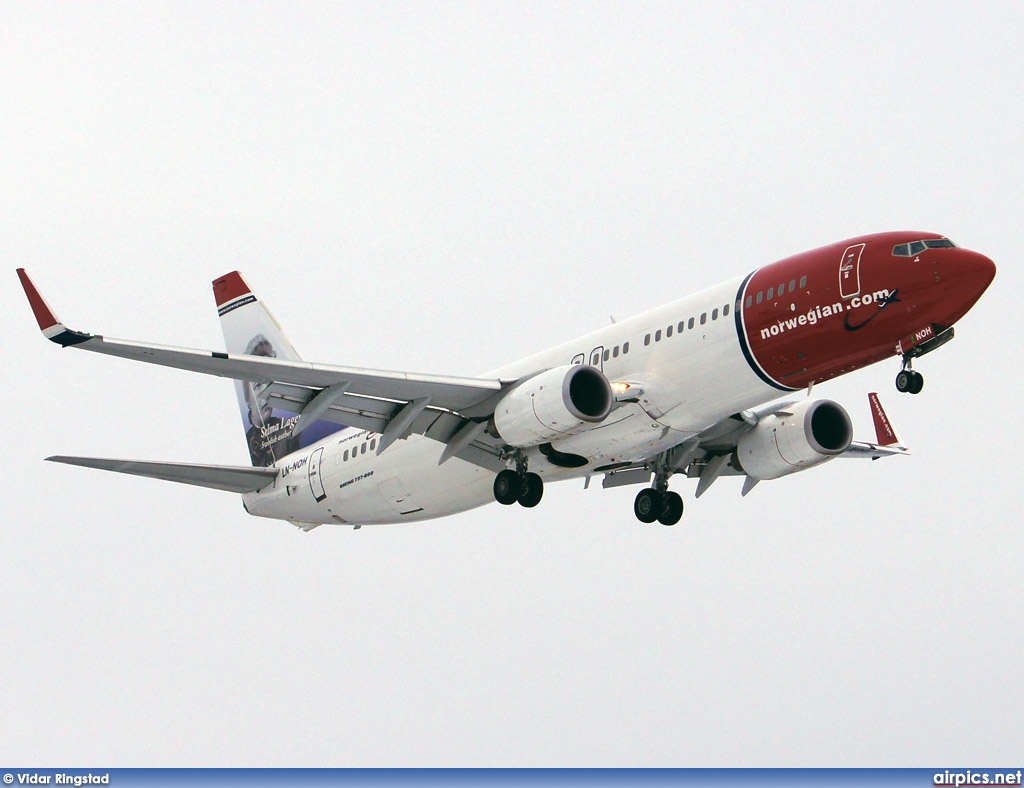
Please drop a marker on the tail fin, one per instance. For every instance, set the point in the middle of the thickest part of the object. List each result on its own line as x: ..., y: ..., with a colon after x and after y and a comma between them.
x: 250, y: 329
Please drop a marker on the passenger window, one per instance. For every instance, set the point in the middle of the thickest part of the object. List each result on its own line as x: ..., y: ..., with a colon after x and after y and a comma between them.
x: 792, y: 285
x: 782, y: 290
x: 657, y: 335
x: 803, y: 282
x: 345, y: 458
x: 760, y: 296
x: 725, y: 311
x: 607, y: 355
x: 703, y: 318
x: 689, y: 323
x: 679, y: 328
x: 771, y: 293
x: 373, y: 444
x: 615, y: 352
x: 714, y: 313
x: 750, y: 301
x: 625, y: 348
x: 362, y: 449
x: 647, y: 340
x: 668, y: 332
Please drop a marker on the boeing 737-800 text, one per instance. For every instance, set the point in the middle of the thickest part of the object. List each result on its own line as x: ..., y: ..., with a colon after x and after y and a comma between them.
x: 688, y: 388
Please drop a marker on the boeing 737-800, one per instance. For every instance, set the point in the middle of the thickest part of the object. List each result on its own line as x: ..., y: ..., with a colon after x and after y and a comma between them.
x: 688, y: 388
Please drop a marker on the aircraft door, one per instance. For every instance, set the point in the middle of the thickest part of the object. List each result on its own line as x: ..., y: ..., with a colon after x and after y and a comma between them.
x: 849, y: 271
x: 316, y: 481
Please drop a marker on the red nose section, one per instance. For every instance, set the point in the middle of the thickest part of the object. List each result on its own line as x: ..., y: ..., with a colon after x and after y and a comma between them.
x: 966, y: 278
x: 981, y: 271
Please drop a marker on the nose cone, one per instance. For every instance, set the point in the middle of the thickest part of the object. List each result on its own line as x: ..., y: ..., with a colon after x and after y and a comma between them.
x: 978, y: 273
x: 967, y: 277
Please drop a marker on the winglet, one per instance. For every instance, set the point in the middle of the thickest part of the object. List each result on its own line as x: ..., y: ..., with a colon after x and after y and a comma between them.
x: 51, y: 327
x: 44, y: 315
x: 885, y: 433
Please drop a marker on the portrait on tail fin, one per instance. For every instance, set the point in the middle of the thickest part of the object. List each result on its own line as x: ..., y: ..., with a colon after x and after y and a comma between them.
x: 250, y: 329
x: 268, y: 435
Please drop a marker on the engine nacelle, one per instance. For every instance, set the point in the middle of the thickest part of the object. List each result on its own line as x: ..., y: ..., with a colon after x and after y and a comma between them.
x: 553, y: 405
x: 804, y: 435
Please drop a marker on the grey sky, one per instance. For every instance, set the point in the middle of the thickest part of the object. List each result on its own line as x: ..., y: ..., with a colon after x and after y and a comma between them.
x: 444, y: 188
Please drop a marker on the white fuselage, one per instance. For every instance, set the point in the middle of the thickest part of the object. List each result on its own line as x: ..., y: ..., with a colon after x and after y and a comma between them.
x: 683, y: 382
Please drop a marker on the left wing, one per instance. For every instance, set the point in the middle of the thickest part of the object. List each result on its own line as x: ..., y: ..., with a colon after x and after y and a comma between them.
x: 392, y: 403
x: 230, y: 478
x: 451, y: 393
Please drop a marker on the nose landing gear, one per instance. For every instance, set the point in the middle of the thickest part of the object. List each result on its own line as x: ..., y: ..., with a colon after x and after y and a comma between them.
x: 912, y: 382
x: 908, y: 381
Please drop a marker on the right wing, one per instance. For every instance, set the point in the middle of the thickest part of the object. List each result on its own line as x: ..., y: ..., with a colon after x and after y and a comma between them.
x: 707, y: 455
x: 394, y: 404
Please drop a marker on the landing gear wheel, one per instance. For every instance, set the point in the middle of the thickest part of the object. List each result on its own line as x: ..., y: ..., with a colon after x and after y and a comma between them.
x: 909, y: 382
x: 532, y: 490
x: 648, y: 505
x: 507, y: 487
x: 671, y: 509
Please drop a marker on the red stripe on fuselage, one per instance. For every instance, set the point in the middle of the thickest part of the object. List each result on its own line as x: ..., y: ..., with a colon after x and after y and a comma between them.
x: 835, y: 309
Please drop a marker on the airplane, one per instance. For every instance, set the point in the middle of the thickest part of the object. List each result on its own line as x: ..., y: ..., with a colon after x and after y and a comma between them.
x: 690, y: 388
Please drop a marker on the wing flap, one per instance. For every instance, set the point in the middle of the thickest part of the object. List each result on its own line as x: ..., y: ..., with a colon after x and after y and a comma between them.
x: 229, y: 478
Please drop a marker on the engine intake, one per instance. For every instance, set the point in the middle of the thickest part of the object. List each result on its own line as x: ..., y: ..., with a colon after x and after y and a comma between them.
x: 799, y: 437
x: 554, y: 404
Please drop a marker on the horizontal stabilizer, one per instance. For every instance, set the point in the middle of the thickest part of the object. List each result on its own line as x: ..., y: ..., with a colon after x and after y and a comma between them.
x: 230, y: 478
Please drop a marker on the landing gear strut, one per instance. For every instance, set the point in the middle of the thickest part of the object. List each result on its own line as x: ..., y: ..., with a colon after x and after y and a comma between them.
x: 658, y: 502
x: 908, y: 381
x: 517, y: 485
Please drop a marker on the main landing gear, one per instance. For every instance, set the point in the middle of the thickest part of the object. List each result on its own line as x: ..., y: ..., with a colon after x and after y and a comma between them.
x: 665, y: 507
x: 908, y: 381
x: 658, y: 502
x: 512, y: 486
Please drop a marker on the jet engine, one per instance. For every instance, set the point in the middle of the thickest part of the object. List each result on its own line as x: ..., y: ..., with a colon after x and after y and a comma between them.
x: 553, y: 405
x: 800, y: 436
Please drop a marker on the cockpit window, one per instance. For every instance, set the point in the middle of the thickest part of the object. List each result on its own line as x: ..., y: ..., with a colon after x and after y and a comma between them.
x: 916, y: 247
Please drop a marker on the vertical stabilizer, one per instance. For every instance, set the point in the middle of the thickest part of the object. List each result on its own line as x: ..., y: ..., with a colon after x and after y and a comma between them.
x: 250, y: 329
